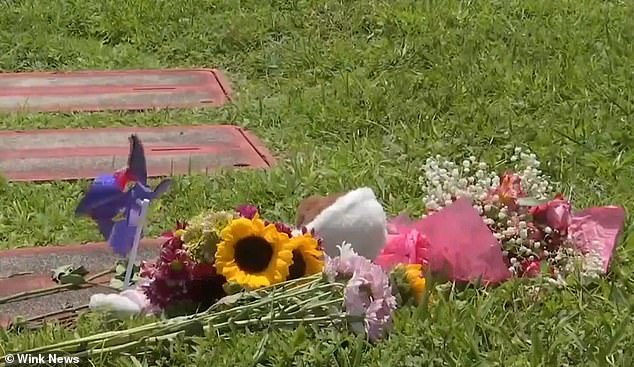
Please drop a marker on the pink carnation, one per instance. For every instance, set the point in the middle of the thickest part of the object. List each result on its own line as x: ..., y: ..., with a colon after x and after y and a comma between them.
x: 410, y: 247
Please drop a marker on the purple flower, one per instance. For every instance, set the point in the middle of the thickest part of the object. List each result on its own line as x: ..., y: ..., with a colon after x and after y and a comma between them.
x: 344, y: 265
x: 368, y: 291
x: 369, y: 294
x: 247, y: 211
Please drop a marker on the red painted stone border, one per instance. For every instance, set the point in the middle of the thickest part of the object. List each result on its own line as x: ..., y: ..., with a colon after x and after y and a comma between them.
x: 215, y: 87
x: 24, y: 159
x: 258, y: 146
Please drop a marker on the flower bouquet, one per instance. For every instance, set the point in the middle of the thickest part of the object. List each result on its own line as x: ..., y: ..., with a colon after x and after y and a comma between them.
x: 489, y: 227
x: 234, y: 269
x: 350, y: 292
x: 217, y: 254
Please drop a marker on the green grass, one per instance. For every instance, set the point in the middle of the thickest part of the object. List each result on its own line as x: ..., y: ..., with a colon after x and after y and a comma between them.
x: 360, y: 93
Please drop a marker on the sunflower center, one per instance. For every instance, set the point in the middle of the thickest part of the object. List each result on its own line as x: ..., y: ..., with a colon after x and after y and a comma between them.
x: 253, y: 254
x: 298, y: 268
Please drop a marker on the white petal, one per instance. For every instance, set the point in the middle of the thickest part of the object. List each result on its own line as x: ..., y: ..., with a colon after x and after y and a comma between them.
x: 116, y: 303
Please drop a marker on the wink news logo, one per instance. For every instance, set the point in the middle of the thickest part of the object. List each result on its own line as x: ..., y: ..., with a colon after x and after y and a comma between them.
x: 40, y: 359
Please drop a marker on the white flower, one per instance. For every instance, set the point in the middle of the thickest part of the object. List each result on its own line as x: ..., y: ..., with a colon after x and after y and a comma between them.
x: 122, y: 305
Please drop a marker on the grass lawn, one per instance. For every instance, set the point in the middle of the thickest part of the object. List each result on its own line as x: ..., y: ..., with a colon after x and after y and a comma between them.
x: 356, y: 93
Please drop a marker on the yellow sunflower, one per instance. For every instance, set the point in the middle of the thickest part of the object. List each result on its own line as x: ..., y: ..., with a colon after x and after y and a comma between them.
x: 253, y: 255
x: 308, y: 259
x: 415, y: 279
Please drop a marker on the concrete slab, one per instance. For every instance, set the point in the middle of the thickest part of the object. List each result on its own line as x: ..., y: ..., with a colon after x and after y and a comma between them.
x: 112, y: 90
x: 34, y: 307
x: 69, y: 154
x: 95, y: 257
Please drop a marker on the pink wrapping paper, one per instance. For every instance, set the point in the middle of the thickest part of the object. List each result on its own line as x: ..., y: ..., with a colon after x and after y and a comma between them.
x: 461, y: 246
x: 598, y: 229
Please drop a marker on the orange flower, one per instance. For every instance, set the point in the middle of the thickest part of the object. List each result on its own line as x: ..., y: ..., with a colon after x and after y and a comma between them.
x: 510, y: 189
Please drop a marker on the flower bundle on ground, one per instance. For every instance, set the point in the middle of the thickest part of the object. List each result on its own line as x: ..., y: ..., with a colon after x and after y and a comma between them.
x: 219, y: 253
x: 522, y: 230
x: 350, y: 292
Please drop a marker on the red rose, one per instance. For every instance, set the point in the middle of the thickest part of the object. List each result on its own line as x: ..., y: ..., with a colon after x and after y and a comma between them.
x: 556, y: 214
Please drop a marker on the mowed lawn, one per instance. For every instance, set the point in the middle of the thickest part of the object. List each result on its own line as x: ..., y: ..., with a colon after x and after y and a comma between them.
x: 360, y: 93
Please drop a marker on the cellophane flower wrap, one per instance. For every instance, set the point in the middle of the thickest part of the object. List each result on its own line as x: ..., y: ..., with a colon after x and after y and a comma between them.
x: 486, y: 226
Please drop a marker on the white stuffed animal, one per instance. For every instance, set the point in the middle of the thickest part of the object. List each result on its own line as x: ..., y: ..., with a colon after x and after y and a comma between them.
x: 355, y: 217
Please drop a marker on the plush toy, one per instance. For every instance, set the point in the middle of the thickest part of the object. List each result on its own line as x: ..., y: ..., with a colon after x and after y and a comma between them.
x: 355, y: 217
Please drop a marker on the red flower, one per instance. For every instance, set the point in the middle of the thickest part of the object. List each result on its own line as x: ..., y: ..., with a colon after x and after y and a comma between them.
x: 556, y: 214
x: 203, y: 270
x: 171, y: 234
x: 177, y: 280
x: 247, y: 211
x: 530, y: 269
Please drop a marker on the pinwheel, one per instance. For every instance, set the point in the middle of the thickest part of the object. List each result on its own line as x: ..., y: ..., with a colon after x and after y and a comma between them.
x: 118, y: 202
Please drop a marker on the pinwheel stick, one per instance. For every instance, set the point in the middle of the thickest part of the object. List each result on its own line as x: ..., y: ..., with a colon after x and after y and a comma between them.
x: 145, y: 203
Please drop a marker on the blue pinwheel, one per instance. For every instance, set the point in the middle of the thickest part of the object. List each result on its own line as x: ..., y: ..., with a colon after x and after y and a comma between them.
x: 116, y: 205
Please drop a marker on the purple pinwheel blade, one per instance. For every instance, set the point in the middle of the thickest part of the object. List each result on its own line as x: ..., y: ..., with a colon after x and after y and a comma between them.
x: 140, y: 192
x: 136, y: 160
x: 121, y: 238
x: 103, y: 199
x: 162, y: 188
x: 105, y: 227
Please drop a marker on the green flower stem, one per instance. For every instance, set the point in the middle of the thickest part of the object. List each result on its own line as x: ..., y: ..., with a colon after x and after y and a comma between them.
x: 34, y: 293
x: 154, y: 340
x: 292, y: 309
x: 212, y: 318
x: 267, y: 321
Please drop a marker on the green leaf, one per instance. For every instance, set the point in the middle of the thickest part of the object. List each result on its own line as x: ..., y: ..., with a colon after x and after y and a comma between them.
x: 299, y: 336
x: 80, y: 271
x: 120, y: 269
x: 358, y: 353
x: 537, y: 348
x: 61, y: 271
x: 136, y: 362
x: 230, y: 300
x: 68, y: 270
x: 261, y: 349
x: 75, y: 279
x: 530, y: 202
x: 231, y: 288
x: 194, y: 329
x: 116, y: 283
x: 4, y: 336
